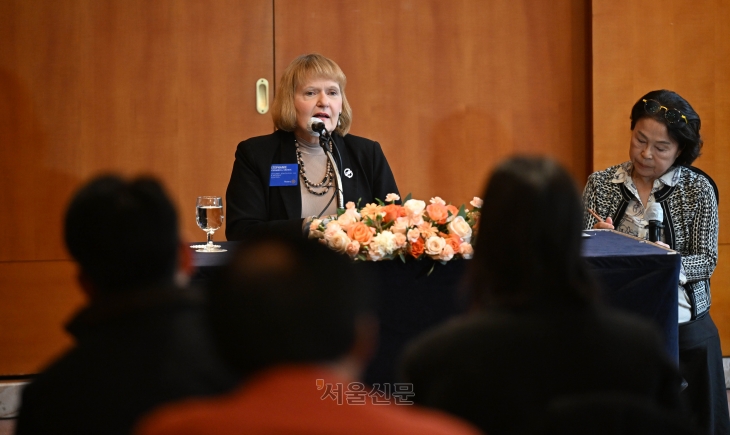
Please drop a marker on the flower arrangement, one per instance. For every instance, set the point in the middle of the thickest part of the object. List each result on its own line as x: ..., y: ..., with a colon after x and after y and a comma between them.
x: 386, y: 230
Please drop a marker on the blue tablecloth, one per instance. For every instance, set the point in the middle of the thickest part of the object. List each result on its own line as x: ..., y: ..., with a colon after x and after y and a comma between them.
x: 632, y: 275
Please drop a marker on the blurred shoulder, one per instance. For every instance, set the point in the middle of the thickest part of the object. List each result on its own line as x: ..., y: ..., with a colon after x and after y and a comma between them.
x: 265, y: 144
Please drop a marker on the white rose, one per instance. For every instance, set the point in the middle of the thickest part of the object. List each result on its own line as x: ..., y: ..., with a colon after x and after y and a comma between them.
x: 461, y: 228
x: 338, y: 242
x: 437, y: 200
x: 477, y: 202
x: 434, y: 245
x: 414, y: 207
x: 466, y: 250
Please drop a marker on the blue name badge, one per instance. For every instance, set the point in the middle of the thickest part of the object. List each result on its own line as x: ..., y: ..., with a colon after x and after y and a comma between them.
x: 284, y: 175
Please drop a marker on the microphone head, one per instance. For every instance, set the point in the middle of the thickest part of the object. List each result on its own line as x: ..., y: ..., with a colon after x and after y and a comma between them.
x: 316, y: 127
x: 654, y: 212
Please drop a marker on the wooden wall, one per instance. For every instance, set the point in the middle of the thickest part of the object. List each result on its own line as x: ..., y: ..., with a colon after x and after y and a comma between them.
x: 130, y: 86
x: 639, y: 46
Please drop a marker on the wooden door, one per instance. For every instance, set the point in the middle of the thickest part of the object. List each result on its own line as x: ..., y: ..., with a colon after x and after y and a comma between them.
x: 451, y: 88
x: 161, y: 87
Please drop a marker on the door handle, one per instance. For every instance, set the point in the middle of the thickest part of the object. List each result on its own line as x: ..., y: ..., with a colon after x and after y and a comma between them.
x: 262, y: 96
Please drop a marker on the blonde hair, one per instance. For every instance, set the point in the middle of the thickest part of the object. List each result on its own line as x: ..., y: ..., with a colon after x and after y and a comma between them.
x: 301, y: 69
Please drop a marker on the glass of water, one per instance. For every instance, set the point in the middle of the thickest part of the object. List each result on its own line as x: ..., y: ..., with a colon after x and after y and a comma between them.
x: 209, y: 215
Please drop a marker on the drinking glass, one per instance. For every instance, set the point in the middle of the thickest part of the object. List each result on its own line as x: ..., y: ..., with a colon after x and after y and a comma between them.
x: 209, y: 215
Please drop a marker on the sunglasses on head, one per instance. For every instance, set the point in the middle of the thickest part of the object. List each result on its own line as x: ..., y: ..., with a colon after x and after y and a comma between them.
x: 671, y: 115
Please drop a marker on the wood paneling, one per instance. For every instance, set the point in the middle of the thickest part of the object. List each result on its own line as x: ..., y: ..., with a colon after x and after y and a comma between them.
x: 451, y: 88
x: 38, y: 298
x: 131, y: 86
x: 639, y: 46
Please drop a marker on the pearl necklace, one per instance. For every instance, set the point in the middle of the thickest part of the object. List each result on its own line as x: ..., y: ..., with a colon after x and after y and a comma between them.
x: 326, y: 182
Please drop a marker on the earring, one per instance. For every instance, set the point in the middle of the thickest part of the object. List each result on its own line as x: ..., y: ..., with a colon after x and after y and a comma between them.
x: 339, y: 120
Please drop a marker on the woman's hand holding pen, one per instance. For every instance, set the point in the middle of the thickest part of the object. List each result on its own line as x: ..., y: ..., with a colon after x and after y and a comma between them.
x: 602, y: 224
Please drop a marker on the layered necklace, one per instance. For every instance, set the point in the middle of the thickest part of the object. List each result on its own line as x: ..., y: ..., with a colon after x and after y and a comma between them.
x: 323, y: 186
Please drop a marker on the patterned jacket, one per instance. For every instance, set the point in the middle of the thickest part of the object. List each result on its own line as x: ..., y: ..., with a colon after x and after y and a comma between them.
x: 690, y: 223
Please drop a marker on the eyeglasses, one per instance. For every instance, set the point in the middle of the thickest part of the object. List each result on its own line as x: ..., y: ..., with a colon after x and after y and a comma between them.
x: 671, y: 115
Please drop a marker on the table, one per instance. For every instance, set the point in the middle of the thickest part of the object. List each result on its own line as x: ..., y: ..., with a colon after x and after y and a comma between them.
x: 633, y: 275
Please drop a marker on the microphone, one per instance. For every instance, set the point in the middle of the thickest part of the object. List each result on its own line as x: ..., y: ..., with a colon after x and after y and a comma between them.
x: 316, y: 127
x: 655, y: 216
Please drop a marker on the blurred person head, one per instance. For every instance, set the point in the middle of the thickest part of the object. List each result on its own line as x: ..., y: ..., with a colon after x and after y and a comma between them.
x: 311, y: 86
x: 123, y: 234
x: 665, y: 121
x: 286, y: 300
x: 529, y: 240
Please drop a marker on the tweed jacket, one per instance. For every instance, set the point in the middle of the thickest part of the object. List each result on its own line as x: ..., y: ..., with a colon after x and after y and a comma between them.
x: 690, y: 223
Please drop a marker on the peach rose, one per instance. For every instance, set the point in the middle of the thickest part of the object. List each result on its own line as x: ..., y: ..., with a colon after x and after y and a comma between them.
x: 417, y: 248
x: 434, y: 245
x: 414, y: 207
x: 454, y: 241
x: 400, y: 240
x: 353, y: 248
x: 453, y: 211
x: 437, y: 213
x: 461, y: 228
x: 360, y: 232
x: 348, y: 218
x: 446, y: 254
x: 466, y: 250
x: 338, y: 242
x: 437, y: 200
x: 400, y: 225
x: 413, y: 235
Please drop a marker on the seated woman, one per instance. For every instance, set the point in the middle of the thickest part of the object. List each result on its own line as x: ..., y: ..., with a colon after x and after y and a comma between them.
x: 536, y: 335
x: 312, y: 86
x: 665, y: 140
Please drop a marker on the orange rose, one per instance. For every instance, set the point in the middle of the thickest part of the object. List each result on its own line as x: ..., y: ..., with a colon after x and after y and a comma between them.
x: 417, y: 248
x: 454, y: 241
x: 360, y: 232
x: 437, y: 212
x: 393, y: 212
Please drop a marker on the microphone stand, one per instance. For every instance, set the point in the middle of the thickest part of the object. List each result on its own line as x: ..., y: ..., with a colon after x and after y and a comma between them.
x: 324, y: 141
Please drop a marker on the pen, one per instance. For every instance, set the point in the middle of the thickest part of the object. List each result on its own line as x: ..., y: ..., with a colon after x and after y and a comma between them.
x: 595, y: 215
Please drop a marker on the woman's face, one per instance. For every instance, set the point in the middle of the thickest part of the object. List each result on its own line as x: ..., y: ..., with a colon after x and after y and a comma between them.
x: 317, y: 98
x: 652, y: 150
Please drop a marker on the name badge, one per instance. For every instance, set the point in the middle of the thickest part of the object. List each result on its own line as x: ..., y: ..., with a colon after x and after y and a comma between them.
x: 284, y: 175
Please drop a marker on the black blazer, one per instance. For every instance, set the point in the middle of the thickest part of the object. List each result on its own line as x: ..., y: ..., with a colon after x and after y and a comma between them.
x: 251, y: 204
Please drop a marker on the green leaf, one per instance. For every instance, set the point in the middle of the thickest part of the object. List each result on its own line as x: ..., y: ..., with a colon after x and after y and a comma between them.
x: 462, y: 211
x: 408, y: 198
x: 431, y: 270
x: 402, y: 257
x: 381, y: 203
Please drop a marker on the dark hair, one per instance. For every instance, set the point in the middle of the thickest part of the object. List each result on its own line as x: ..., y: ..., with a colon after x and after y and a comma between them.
x: 529, y: 239
x: 286, y: 300
x: 123, y: 234
x: 687, y: 134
